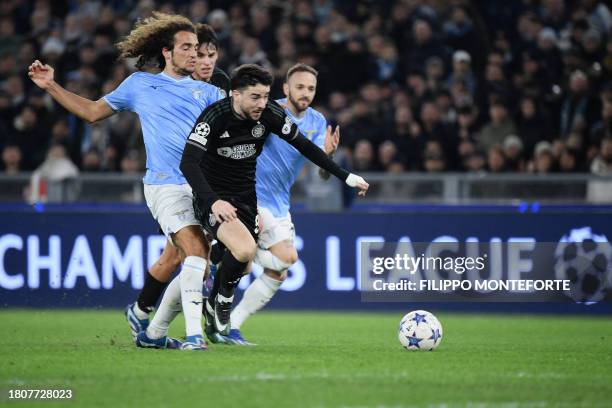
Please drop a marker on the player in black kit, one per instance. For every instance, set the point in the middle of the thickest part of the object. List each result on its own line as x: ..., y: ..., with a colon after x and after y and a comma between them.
x: 219, y: 163
x: 161, y: 272
x: 208, y: 53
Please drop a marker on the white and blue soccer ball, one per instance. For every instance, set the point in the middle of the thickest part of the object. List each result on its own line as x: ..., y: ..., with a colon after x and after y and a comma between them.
x: 585, y: 259
x: 420, y: 330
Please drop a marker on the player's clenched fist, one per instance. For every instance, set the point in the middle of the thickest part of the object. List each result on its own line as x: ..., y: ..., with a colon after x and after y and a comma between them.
x: 358, y: 182
x: 41, y: 75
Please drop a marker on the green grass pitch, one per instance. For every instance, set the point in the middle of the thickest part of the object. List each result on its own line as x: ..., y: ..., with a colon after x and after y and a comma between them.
x: 313, y: 360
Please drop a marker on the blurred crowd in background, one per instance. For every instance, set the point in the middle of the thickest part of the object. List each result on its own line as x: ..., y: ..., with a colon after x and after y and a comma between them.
x: 415, y: 85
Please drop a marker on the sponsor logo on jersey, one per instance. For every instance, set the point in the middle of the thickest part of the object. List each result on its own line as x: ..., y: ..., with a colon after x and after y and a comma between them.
x: 258, y: 130
x: 224, y: 151
x: 238, y: 152
x: 224, y: 135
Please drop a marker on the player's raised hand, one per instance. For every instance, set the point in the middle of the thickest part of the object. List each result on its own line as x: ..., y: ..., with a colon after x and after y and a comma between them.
x: 41, y: 75
x: 332, y: 140
x: 356, y: 181
x: 223, y: 211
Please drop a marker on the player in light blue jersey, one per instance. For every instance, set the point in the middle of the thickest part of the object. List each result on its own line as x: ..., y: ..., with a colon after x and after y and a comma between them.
x: 278, y: 166
x: 168, y: 104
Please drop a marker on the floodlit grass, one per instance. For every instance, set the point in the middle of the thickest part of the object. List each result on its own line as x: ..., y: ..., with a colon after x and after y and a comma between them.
x: 313, y: 360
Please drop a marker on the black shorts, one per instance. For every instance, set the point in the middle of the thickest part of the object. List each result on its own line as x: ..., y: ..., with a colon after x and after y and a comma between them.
x: 246, y: 209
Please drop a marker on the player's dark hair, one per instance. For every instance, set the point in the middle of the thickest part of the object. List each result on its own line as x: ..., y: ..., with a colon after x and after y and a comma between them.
x: 150, y: 36
x: 250, y: 75
x: 299, y: 67
x: 206, y: 35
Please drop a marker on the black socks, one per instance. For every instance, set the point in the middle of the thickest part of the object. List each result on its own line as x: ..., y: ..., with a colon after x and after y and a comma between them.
x: 150, y: 293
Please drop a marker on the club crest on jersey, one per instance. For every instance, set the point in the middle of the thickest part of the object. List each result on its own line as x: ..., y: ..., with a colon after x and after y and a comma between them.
x: 182, y: 215
x: 197, y: 93
x: 309, y: 133
x: 258, y: 130
x: 212, y: 220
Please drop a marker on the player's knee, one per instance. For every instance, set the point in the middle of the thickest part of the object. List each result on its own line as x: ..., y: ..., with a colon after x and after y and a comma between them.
x: 293, y: 257
x: 191, y: 242
x: 245, y: 252
x: 288, y: 257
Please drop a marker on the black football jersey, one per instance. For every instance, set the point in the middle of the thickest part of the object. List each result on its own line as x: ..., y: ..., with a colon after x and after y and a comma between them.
x: 220, y: 79
x: 231, y: 145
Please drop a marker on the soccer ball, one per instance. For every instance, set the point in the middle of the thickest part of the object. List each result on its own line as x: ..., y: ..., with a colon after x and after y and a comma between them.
x: 583, y: 258
x: 420, y: 330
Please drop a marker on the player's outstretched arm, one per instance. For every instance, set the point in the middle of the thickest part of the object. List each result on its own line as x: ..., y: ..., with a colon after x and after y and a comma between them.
x: 90, y: 111
x: 312, y: 152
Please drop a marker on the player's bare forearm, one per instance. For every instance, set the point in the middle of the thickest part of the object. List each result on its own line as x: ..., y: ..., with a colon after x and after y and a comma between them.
x: 90, y: 111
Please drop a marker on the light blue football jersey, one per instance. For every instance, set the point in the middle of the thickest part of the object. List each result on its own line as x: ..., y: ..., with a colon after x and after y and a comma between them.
x: 167, y: 108
x: 279, y: 164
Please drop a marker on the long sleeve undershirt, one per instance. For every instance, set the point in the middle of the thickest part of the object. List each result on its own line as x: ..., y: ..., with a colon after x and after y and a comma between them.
x: 192, y: 155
